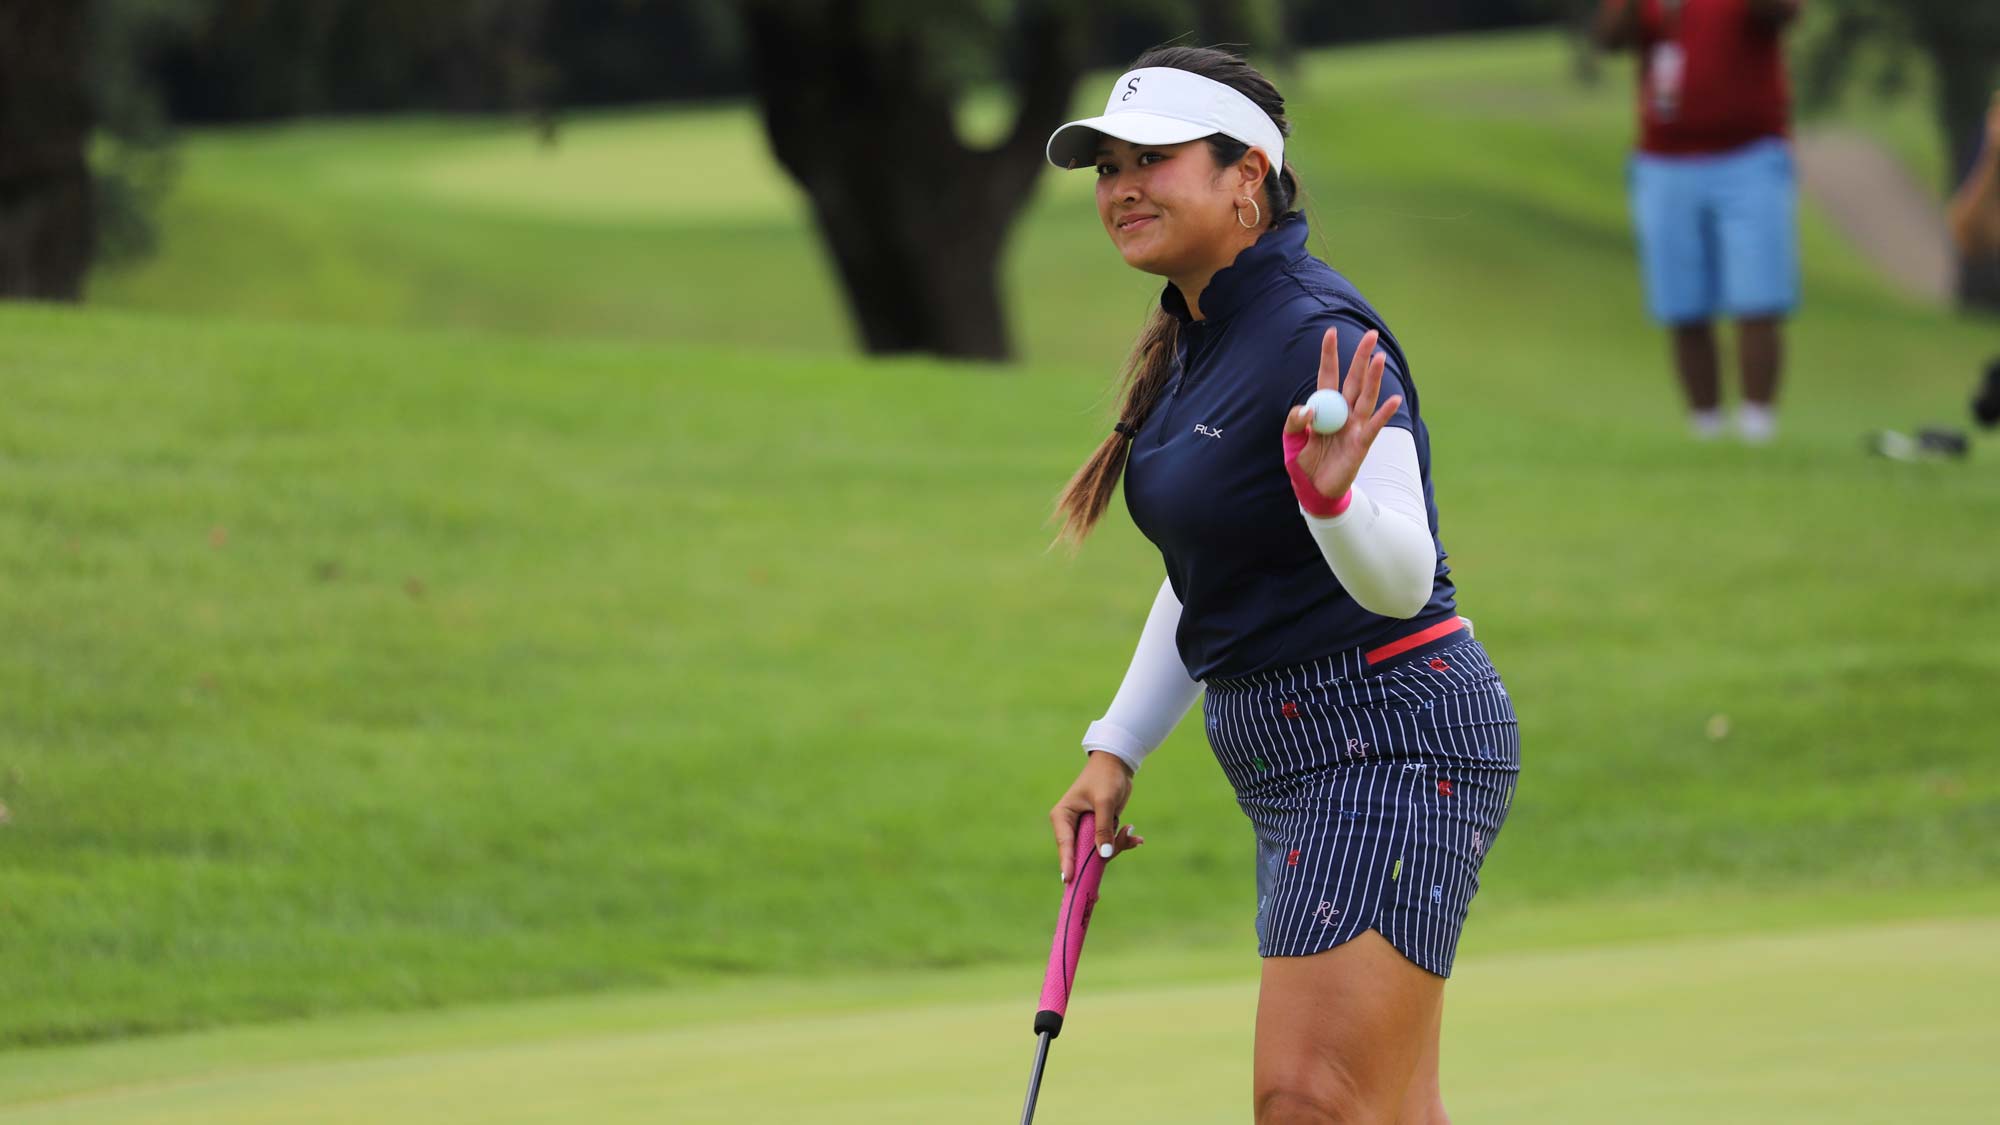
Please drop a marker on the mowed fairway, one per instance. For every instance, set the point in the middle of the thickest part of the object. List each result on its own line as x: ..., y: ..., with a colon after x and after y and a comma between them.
x: 1866, y: 1024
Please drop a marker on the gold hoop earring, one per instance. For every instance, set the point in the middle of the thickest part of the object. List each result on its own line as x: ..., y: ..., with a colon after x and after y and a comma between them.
x: 1255, y: 223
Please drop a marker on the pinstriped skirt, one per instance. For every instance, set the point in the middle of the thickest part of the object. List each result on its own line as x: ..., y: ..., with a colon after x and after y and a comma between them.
x: 1375, y: 792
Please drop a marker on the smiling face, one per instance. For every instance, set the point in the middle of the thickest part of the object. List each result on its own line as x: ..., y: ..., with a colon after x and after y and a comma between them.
x: 1170, y: 210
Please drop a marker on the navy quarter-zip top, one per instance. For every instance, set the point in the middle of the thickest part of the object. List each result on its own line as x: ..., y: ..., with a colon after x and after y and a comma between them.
x: 1205, y: 478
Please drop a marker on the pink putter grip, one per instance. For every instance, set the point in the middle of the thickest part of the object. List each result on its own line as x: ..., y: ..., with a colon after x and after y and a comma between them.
x: 1079, y: 898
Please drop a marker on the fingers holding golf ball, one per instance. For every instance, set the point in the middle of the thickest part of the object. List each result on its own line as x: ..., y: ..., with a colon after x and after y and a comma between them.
x: 1327, y: 436
x: 1327, y: 411
x: 1338, y: 399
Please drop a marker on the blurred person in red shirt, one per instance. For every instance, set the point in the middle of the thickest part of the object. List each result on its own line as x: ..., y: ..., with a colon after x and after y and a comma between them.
x: 1975, y: 228
x: 1714, y: 191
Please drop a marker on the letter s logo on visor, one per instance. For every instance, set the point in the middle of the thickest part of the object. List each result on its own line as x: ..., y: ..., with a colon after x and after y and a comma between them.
x: 1131, y: 88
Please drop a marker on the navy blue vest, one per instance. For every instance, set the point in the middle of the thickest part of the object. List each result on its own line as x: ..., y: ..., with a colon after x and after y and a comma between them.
x: 1206, y: 481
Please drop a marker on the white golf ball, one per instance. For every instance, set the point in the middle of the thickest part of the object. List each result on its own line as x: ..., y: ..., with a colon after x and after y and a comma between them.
x: 1329, y: 411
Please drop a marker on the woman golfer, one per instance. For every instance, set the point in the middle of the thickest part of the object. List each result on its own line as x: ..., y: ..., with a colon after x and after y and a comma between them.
x: 1367, y: 735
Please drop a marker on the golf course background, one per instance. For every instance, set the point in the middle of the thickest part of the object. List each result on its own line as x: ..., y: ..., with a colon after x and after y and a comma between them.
x: 456, y: 571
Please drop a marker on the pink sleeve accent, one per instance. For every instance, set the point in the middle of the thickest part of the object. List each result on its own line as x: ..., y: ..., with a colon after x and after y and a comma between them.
x: 1079, y: 898
x: 1310, y: 498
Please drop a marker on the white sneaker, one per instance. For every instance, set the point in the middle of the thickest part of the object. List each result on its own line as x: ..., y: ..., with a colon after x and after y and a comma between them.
x: 1756, y: 423
x: 1705, y: 425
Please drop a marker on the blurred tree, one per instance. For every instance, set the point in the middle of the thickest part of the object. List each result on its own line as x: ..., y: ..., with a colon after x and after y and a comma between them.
x: 1245, y: 24
x: 135, y: 159
x: 1347, y: 21
x: 645, y: 50
x: 283, y: 58
x: 46, y: 230
x: 120, y: 72
x: 860, y: 101
x: 1961, y: 41
x: 104, y: 74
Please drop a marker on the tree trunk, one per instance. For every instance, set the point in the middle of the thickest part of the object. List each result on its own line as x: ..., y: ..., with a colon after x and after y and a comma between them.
x: 916, y: 281
x: 913, y: 219
x: 1965, y: 71
x: 46, y: 226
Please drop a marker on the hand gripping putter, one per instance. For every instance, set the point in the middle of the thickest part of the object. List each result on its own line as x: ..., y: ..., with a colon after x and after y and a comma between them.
x: 1071, y: 923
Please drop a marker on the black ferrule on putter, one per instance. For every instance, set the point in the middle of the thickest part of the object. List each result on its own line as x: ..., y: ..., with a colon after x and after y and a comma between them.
x: 1048, y: 1023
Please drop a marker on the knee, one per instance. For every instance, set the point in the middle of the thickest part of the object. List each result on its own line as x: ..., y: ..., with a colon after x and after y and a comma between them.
x: 1321, y: 1096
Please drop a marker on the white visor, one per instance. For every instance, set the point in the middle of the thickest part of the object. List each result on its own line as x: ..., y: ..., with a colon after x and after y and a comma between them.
x: 1158, y: 105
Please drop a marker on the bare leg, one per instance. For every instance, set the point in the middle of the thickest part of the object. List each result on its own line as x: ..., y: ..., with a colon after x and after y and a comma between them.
x: 1760, y: 343
x: 1697, y: 364
x: 1423, y: 1102
x: 1340, y: 1034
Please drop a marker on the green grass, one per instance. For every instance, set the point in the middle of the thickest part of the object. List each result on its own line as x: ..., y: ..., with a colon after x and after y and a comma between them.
x: 561, y: 608
x: 1861, y: 1023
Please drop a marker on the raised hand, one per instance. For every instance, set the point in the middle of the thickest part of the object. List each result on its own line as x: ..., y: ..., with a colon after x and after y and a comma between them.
x: 1322, y: 466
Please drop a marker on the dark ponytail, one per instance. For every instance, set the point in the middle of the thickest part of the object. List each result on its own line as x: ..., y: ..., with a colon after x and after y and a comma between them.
x: 1151, y: 361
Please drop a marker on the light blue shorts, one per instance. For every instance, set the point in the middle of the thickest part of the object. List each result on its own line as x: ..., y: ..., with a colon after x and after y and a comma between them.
x: 1718, y: 235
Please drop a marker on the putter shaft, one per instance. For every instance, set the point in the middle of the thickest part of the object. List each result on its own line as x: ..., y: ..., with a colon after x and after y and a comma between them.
x: 1035, y: 1076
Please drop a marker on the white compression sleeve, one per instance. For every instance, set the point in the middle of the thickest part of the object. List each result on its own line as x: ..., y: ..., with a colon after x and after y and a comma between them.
x: 1381, y: 547
x: 1156, y: 691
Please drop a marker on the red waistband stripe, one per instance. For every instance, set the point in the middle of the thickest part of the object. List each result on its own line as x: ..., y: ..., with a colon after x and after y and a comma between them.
x: 1421, y: 637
